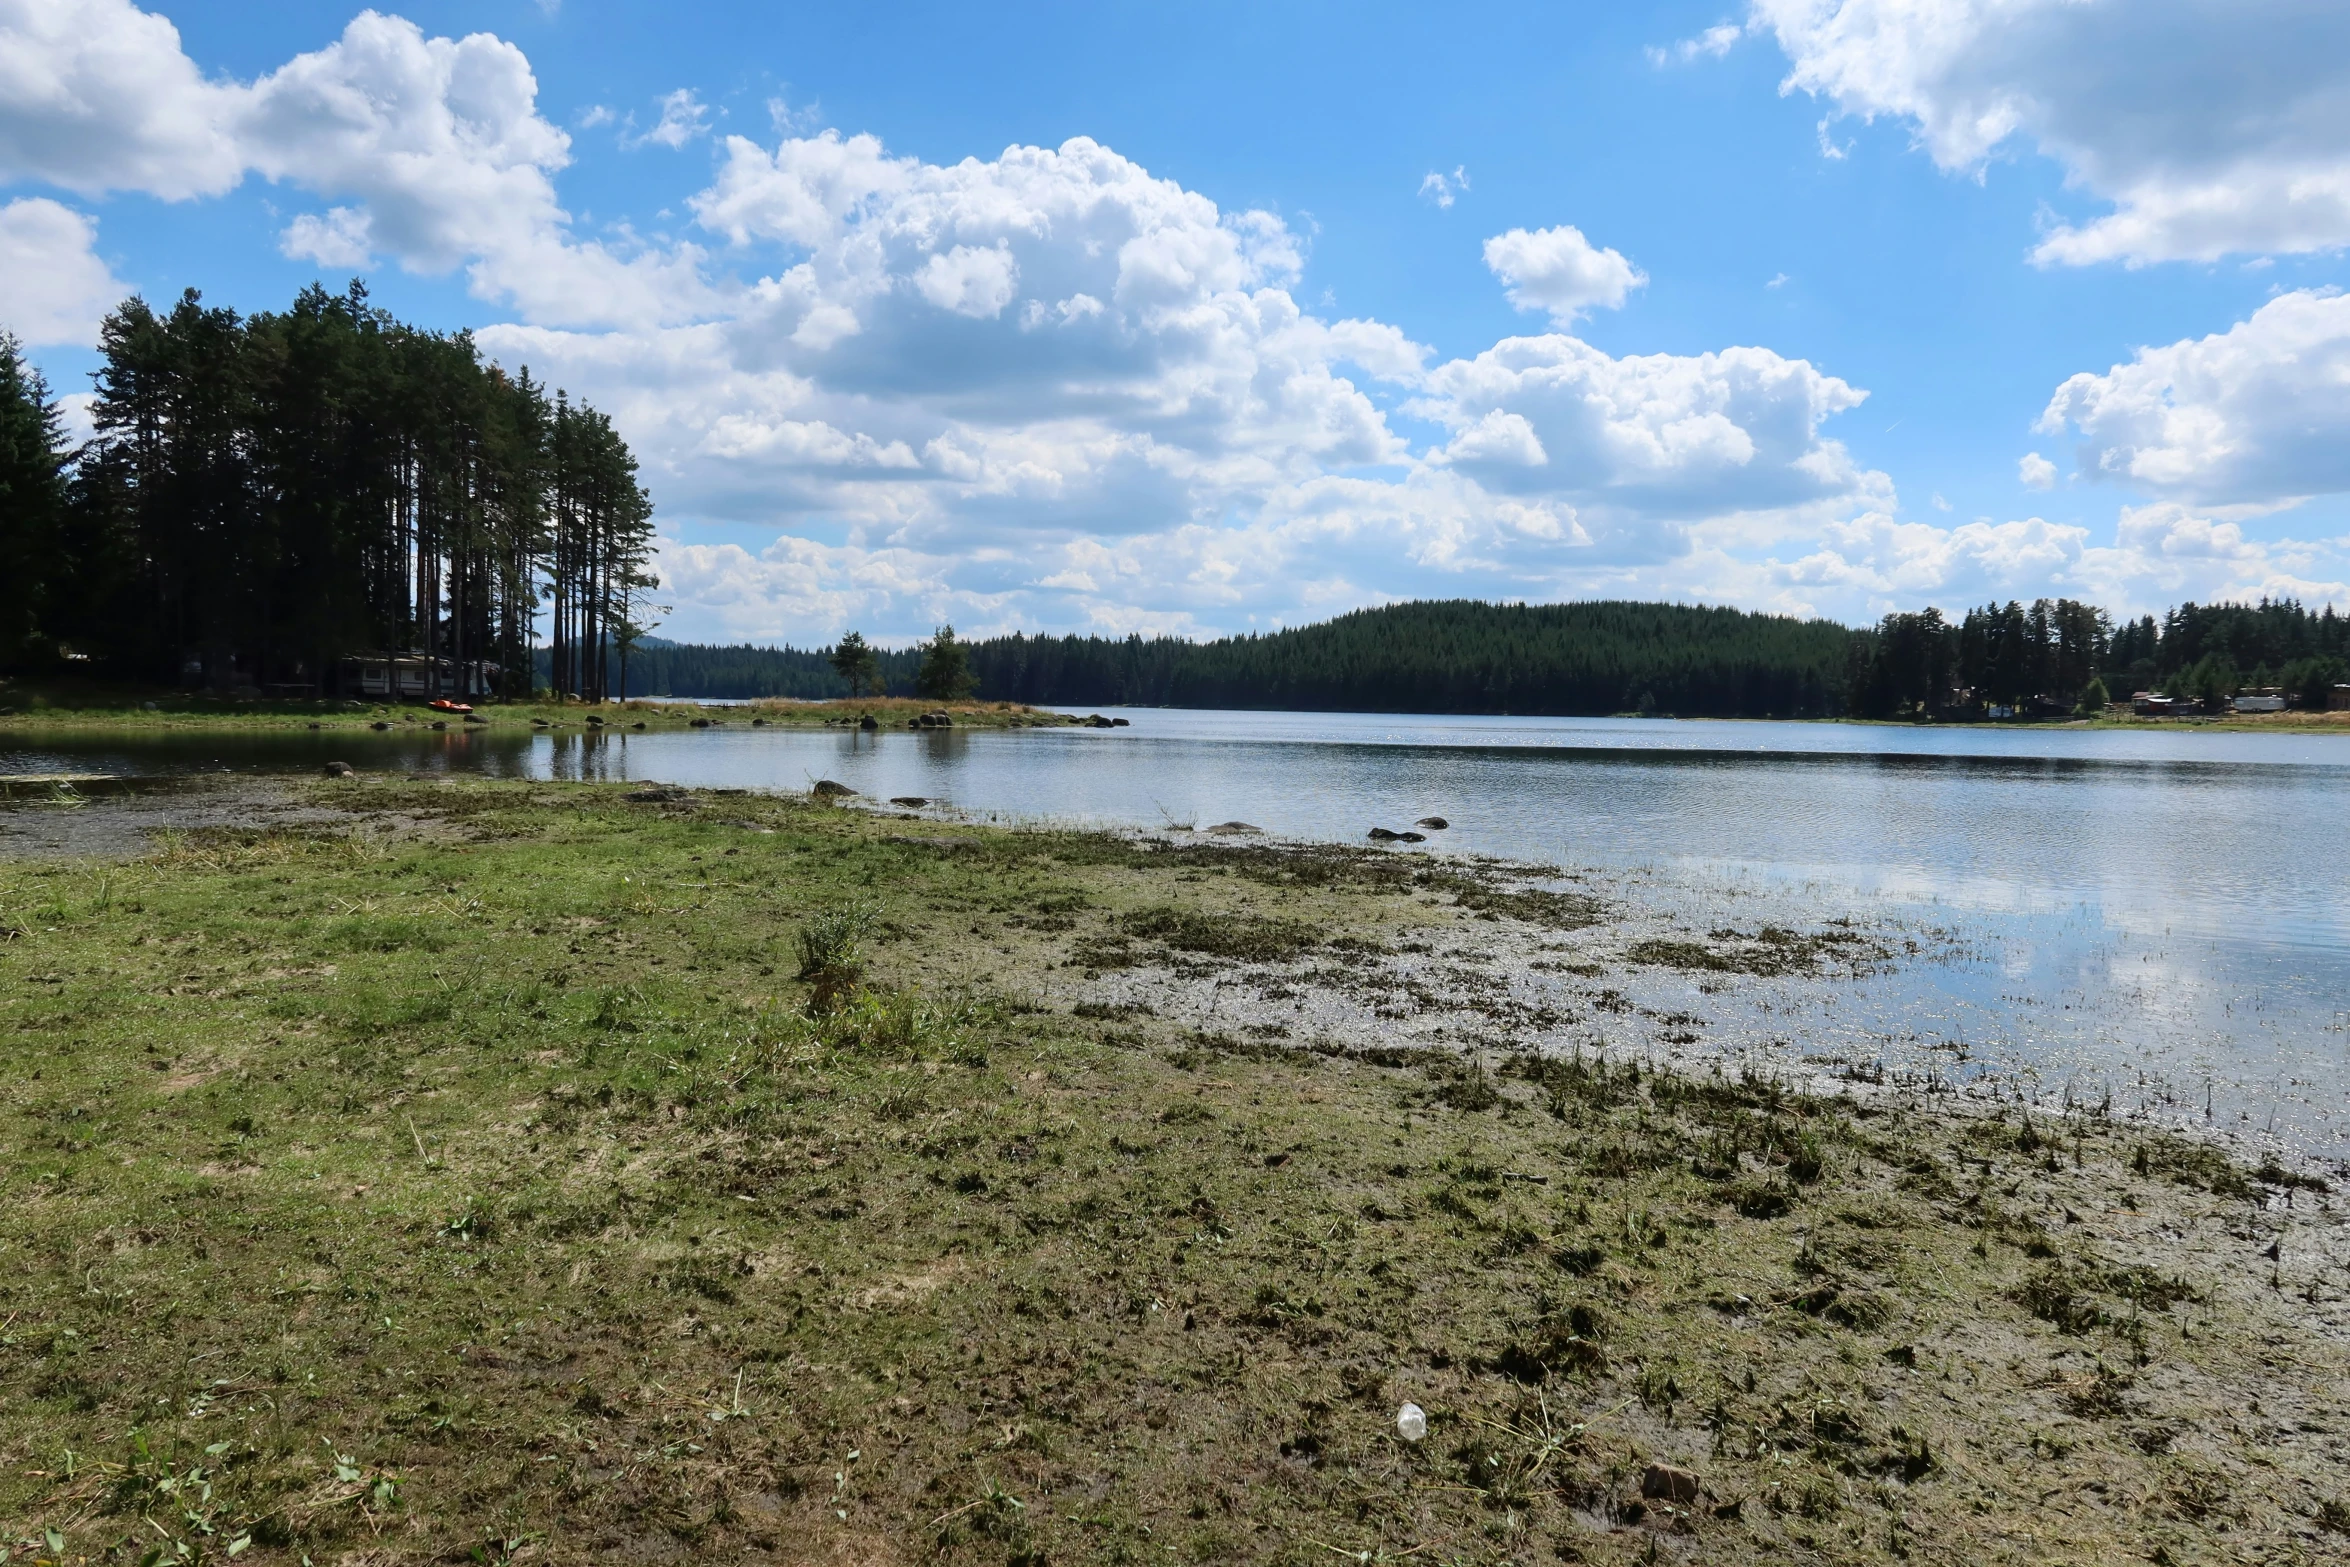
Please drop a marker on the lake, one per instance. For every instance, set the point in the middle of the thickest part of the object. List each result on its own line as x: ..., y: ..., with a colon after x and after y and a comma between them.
x: 2156, y: 916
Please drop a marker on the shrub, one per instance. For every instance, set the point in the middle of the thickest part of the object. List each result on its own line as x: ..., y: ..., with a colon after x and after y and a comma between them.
x: 832, y: 955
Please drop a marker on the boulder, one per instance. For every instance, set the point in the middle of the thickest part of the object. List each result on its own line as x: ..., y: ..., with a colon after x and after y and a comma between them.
x: 314, y: 726
x: 1383, y: 835
x: 868, y: 722
x: 476, y: 718
x: 1411, y: 837
x: 338, y: 769
x: 1665, y: 1483
x: 1121, y: 723
x: 826, y: 789
x: 911, y: 801
x: 758, y: 723
x: 380, y: 724
x: 594, y: 722
x: 1232, y: 828
x: 637, y: 725
x: 697, y: 723
x: 1434, y: 823
x: 440, y: 723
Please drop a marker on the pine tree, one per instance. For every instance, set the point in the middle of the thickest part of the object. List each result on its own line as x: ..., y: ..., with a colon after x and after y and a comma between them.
x: 946, y: 669
x: 852, y: 659
x: 33, y: 456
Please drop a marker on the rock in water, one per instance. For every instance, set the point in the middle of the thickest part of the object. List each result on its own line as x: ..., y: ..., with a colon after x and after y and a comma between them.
x: 1411, y: 837
x: 338, y: 769
x: 1234, y: 827
x: 868, y: 722
x: 911, y: 801
x: 1437, y: 823
x: 1382, y: 835
x: 826, y: 789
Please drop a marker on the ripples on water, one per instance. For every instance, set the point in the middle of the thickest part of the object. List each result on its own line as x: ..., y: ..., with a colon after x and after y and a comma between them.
x: 2158, y: 914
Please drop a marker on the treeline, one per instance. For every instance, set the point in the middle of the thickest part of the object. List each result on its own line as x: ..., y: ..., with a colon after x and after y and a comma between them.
x: 1454, y: 656
x: 1457, y: 656
x: 2049, y: 657
x: 2059, y: 655
x: 265, y: 495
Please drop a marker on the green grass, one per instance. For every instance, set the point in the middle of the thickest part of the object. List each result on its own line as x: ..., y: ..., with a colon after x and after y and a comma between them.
x: 492, y: 1194
x: 68, y: 703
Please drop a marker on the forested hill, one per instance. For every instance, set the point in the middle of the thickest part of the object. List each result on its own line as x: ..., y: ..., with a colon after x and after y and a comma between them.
x: 1454, y: 656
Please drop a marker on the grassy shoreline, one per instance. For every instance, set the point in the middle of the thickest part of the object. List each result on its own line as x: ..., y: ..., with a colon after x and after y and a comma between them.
x: 30, y: 704
x: 454, y: 1171
x: 67, y: 705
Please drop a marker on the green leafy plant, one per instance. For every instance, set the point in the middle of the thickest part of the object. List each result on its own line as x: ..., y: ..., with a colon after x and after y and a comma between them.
x: 832, y: 955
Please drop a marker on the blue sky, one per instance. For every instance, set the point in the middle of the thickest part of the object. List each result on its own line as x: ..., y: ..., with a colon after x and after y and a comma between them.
x: 1289, y: 309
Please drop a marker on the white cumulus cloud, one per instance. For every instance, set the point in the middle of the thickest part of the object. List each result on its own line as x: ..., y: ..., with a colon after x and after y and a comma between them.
x: 97, y: 95
x: 432, y: 148
x: 2209, y: 128
x: 2035, y: 472
x: 54, y: 286
x: 2253, y: 416
x: 1560, y: 271
x: 1049, y: 388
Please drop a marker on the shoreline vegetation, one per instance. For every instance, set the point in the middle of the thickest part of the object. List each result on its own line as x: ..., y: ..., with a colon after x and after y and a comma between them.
x: 484, y: 1170
x: 34, y: 704
x: 78, y: 702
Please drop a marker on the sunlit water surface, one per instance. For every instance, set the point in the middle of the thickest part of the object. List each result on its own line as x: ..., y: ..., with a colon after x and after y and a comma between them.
x: 2160, y: 916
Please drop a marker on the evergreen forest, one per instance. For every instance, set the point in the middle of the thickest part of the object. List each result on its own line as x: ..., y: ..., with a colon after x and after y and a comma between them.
x: 1462, y: 656
x: 266, y: 495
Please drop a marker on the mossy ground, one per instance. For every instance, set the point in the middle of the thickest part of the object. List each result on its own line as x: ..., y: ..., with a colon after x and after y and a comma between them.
x: 481, y: 1190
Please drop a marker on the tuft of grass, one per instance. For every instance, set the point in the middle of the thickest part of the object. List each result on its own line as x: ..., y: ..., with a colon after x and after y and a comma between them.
x: 831, y: 946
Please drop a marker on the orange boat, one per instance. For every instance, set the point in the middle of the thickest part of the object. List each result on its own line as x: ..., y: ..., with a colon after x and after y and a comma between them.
x: 444, y: 705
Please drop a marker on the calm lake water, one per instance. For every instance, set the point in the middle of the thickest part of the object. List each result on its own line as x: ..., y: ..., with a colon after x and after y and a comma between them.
x: 2159, y: 916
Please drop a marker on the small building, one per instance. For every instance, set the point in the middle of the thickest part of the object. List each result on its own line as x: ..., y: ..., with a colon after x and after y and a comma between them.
x: 2259, y: 702
x: 2338, y: 700
x: 396, y: 675
x: 2153, y: 704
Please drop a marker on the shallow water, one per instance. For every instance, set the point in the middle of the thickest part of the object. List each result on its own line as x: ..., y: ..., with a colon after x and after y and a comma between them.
x: 2160, y: 915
